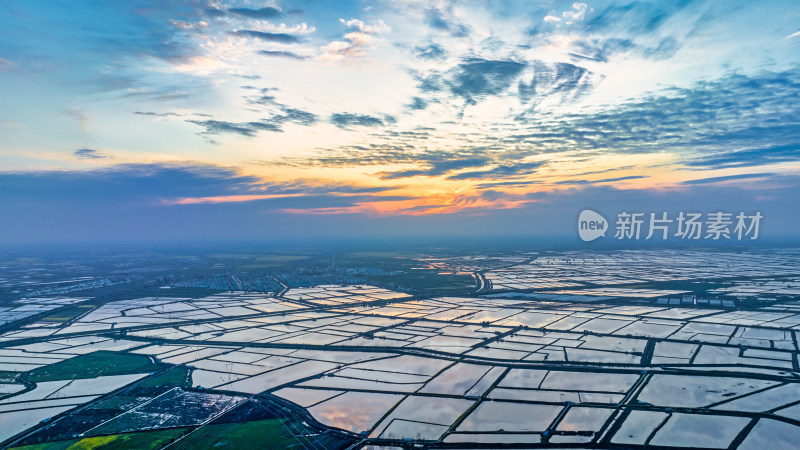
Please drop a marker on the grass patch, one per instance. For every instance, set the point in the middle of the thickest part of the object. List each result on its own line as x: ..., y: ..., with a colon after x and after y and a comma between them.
x: 138, y: 440
x: 68, y: 313
x: 262, y: 434
x: 93, y: 442
x: 91, y: 365
x: 57, y: 445
x: 8, y: 377
x: 57, y: 319
x: 176, y: 376
x: 115, y: 402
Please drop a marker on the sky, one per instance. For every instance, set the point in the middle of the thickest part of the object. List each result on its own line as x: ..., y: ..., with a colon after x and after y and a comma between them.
x: 213, y: 120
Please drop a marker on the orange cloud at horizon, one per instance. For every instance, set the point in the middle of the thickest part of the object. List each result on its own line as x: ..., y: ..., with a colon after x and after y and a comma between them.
x: 227, y: 199
x: 437, y: 204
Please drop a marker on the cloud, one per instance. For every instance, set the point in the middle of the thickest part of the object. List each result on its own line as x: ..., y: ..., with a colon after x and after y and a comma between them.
x: 600, y: 49
x: 747, y: 158
x: 362, y: 27
x: 429, y: 83
x: 576, y: 14
x: 636, y: 18
x: 262, y: 13
x: 296, y: 116
x: 188, y: 25
x: 155, y: 114
x: 445, y: 20
x: 125, y: 182
x: 347, y: 120
x: 88, y: 153
x: 251, y: 129
x: 214, y: 12
x: 217, y: 127
x: 264, y: 97
x: 273, y: 123
x: 503, y: 170
x: 107, y: 35
x: 280, y: 113
x: 430, y: 52
x: 176, y: 203
x: 565, y: 81
x: 301, y: 28
x: 164, y: 93
x: 603, y: 49
x: 665, y: 49
x: 435, y: 19
x: 593, y: 172
x: 158, y: 202
x: 743, y: 176
x: 507, y: 184
x: 356, y: 43
x: 370, y: 154
x: 734, y: 121
x: 621, y: 31
x: 79, y: 115
x: 476, y: 78
x: 166, y: 184
x: 283, y: 38
x: 436, y: 168
x: 604, y: 180
x: 6, y: 64
x: 418, y: 104
x: 282, y: 54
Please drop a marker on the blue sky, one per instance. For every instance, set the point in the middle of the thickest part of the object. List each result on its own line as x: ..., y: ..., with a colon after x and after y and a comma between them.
x: 144, y: 119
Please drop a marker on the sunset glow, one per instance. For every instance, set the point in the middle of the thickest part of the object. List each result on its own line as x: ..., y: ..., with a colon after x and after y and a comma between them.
x: 379, y: 108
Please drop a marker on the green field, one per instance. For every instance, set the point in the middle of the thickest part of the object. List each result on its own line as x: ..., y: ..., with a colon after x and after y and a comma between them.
x: 8, y: 377
x: 139, y: 440
x: 177, y: 376
x: 93, y: 365
x: 262, y: 434
x: 67, y: 314
x: 116, y: 402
